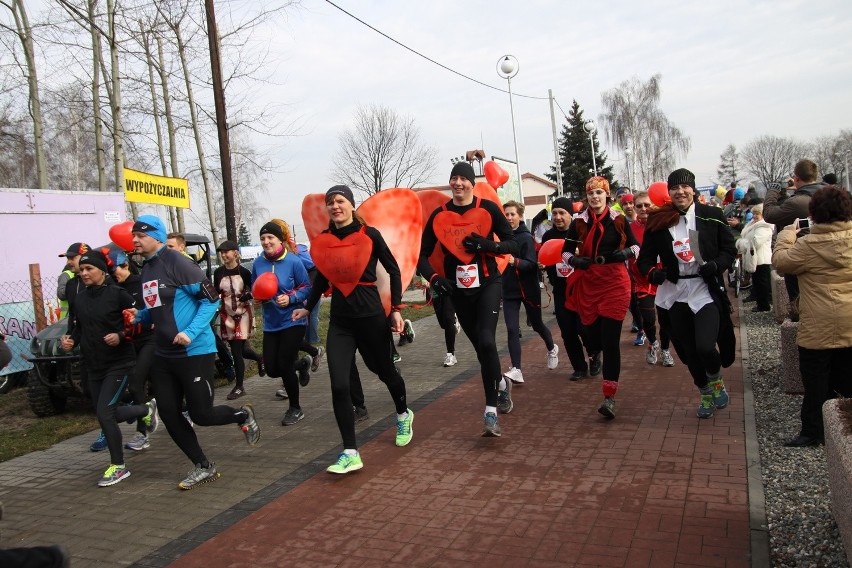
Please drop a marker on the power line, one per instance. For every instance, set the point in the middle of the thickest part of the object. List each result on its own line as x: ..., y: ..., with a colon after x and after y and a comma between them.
x: 427, y: 58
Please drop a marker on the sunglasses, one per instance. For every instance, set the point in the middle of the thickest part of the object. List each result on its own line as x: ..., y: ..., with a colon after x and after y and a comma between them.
x: 642, y: 206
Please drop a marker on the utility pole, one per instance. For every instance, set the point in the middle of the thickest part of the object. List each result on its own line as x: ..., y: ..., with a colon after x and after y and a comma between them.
x: 559, y: 189
x: 221, y: 122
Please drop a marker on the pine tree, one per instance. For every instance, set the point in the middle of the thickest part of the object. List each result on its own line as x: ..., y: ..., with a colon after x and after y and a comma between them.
x: 730, y: 162
x: 243, y: 238
x: 575, y: 156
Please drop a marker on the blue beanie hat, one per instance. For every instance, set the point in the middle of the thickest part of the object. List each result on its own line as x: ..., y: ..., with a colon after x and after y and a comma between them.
x: 152, y: 226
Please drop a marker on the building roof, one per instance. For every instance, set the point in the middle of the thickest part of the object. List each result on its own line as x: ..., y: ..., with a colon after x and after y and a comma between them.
x: 539, y: 179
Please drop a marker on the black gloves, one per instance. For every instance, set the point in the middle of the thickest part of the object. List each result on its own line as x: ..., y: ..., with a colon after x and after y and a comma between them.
x: 478, y: 243
x: 657, y: 276
x: 580, y: 262
x: 246, y: 297
x: 709, y: 268
x: 441, y: 286
x: 620, y: 255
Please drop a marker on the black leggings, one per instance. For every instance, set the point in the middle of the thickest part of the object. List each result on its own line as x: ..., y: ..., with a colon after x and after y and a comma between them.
x: 478, y: 314
x: 446, y: 316
x: 648, y: 320
x: 240, y: 351
x: 694, y: 338
x: 107, y: 387
x: 372, y: 337
x: 511, y: 315
x: 573, y: 334
x: 141, y: 375
x: 280, y: 349
x: 192, y: 378
x: 825, y: 375
x: 761, y: 288
x: 604, y: 335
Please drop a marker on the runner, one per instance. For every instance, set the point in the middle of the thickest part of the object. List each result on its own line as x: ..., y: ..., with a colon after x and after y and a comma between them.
x: 477, y: 286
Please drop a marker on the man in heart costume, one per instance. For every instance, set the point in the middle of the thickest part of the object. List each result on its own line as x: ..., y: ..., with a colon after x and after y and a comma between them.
x: 598, y: 243
x: 346, y: 255
x: 464, y: 227
x: 691, y: 299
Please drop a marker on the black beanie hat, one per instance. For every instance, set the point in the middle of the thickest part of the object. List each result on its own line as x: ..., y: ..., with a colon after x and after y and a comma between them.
x: 464, y: 170
x: 562, y: 203
x: 274, y: 229
x: 341, y: 190
x: 681, y: 176
x: 96, y: 258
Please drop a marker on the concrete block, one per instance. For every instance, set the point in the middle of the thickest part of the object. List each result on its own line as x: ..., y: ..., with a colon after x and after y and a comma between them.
x: 780, y: 299
x: 791, y: 379
x: 837, y: 417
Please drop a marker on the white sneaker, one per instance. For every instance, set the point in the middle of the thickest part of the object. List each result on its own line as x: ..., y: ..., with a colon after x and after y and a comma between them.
x: 138, y: 443
x: 515, y: 375
x: 653, y: 352
x: 450, y: 360
x: 281, y: 394
x: 668, y: 360
x: 553, y: 357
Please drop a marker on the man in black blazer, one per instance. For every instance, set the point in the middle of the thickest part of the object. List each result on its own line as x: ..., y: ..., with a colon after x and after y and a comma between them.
x: 691, y: 299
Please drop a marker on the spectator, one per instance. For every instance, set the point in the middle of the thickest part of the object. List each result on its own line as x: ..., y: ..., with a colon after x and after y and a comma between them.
x: 72, y: 258
x: 755, y: 245
x: 822, y: 260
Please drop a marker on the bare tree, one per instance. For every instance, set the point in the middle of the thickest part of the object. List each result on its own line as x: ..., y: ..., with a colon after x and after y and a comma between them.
x: 382, y: 150
x: 729, y: 166
x: 771, y: 158
x: 828, y: 153
x: 632, y: 119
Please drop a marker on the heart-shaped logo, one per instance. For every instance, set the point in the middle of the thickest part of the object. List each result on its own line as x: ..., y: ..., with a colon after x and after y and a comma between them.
x: 466, y: 275
x: 683, y: 250
x: 451, y: 229
x: 342, y: 261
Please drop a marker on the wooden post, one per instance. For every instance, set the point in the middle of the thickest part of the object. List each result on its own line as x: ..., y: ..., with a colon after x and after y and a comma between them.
x: 38, y: 297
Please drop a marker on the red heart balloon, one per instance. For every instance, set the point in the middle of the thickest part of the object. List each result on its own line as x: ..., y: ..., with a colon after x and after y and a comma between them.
x: 451, y: 229
x: 484, y: 191
x: 314, y: 214
x: 550, y: 252
x: 265, y: 286
x: 122, y: 235
x: 431, y: 199
x: 577, y: 206
x: 342, y: 261
x: 658, y: 192
x: 495, y: 174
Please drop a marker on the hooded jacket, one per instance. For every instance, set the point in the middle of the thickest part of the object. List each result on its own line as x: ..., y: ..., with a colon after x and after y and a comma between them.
x: 822, y: 261
x: 520, y: 282
x: 784, y: 212
x: 755, y: 244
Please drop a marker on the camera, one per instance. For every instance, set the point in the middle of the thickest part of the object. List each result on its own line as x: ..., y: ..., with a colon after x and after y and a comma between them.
x: 803, y: 224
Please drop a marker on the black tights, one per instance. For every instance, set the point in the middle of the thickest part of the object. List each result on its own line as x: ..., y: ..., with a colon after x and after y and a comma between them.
x: 446, y: 316
x: 280, y: 349
x: 372, y: 337
x: 511, y: 315
x: 648, y: 320
x: 694, y: 338
x: 240, y: 351
x: 478, y: 314
x: 604, y: 335
x: 107, y: 387
x: 573, y: 334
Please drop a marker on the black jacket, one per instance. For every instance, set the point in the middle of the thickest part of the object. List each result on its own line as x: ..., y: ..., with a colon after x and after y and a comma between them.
x: 521, y: 280
x: 97, y: 312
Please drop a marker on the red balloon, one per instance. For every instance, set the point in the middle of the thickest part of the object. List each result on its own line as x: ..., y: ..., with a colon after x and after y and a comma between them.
x: 265, y: 286
x: 550, y: 252
x: 578, y: 206
x: 122, y: 235
x: 658, y: 192
x: 495, y: 174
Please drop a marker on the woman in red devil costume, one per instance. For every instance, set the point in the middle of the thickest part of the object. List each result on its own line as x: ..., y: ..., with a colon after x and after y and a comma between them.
x: 603, y: 242
x: 346, y: 255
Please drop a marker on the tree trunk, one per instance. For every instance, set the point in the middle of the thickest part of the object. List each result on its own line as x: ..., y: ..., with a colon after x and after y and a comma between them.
x: 97, y: 58
x: 115, y: 103
x: 170, y: 127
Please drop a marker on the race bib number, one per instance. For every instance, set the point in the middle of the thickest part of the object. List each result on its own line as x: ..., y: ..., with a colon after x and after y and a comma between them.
x: 467, y: 276
x: 151, y: 294
x: 683, y: 251
x: 564, y: 270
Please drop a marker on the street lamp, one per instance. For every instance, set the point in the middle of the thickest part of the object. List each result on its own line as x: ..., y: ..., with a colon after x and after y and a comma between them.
x: 589, y: 126
x: 507, y: 67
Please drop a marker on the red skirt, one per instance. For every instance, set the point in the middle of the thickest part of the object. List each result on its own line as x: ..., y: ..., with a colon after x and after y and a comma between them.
x: 603, y: 291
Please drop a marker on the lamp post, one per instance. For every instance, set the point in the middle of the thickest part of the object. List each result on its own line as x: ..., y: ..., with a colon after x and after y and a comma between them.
x: 589, y: 126
x: 507, y: 67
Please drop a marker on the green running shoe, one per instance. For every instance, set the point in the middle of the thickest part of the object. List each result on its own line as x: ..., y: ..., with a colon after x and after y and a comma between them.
x: 113, y: 475
x: 404, y: 431
x: 346, y: 463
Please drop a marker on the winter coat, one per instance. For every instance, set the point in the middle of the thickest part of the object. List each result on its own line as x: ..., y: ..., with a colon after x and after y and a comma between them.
x: 784, y: 212
x: 755, y: 244
x: 822, y: 261
x: 520, y: 282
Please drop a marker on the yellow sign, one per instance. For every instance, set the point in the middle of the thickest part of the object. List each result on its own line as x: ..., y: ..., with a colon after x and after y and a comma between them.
x: 149, y: 188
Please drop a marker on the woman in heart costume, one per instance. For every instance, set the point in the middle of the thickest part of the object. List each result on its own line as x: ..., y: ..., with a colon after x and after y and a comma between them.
x: 282, y: 335
x: 645, y: 293
x: 346, y: 255
x: 563, y: 278
x: 463, y: 228
x: 598, y: 244
x: 691, y: 299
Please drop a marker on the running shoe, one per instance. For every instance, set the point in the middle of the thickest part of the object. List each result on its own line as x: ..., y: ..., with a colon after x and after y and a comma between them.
x: 236, y: 393
x: 706, y: 408
x: 515, y: 375
x: 152, y: 420
x: 504, y: 399
x: 100, y: 444
x: 634, y: 327
x: 402, y: 340
x: 396, y: 358
x: 361, y: 413
x: 553, y: 357
x: 250, y: 427
x: 317, y: 359
x: 640, y: 339
x: 450, y: 360
x: 491, y: 428
x: 404, y: 429
x: 304, y: 369
x: 138, y: 443
x: 579, y: 375
x: 607, y: 408
x: 292, y: 416
x: 281, y: 394
x: 408, y: 331
x: 261, y: 367
x: 199, y: 475
x: 668, y: 360
x: 345, y: 464
x: 113, y: 475
x: 653, y: 353
x: 595, y: 364
x: 720, y: 395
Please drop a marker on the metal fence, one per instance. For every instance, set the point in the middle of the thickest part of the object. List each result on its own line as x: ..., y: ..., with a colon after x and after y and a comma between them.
x: 26, y: 307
